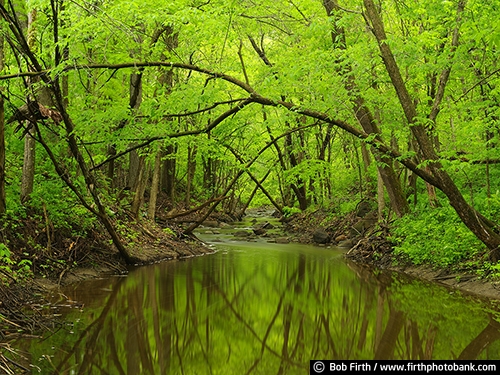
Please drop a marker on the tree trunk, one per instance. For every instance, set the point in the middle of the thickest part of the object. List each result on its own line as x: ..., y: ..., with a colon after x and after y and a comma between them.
x: 477, y: 223
x: 380, y: 196
x: 208, y: 175
x: 299, y: 188
x: 155, y: 184
x: 28, y: 176
x: 169, y: 167
x: 284, y: 189
x: 3, y: 204
x: 191, y: 170
x: 110, y: 170
x: 133, y: 169
x: 140, y: 187
x: 367, y: 121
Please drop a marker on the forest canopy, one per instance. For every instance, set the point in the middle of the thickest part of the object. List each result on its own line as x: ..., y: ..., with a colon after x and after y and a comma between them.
x: 299, y: 104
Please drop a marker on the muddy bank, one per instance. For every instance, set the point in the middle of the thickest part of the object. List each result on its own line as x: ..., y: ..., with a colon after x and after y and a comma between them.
x: 462, y: 281
x: 113, y: 265
x: 154, y: 245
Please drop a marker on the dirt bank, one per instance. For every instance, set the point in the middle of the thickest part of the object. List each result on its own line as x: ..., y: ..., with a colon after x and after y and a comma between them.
x: 154, y: 245
x: 71, y: 259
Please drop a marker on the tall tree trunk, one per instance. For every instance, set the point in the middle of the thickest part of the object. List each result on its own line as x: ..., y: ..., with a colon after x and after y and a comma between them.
x: 477, y: 223
x: 140, y: 187
x: 28, y: 176
x: 191, y: 170
x: 285, y: 189
x: 133, y: 169
x: 380, y: 196
x: 170, y: 40
x: 385, y: 166
x: 299, y: 188
x: 155, y: 184
x: 3, y: 204
x: 135, y: 100
x: 208, y: 175
x: 169, y: 169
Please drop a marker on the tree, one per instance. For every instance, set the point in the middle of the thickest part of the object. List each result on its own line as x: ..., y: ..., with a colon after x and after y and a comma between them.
x: 367, y: 119
x: 55, y: 89
x: 483, y: 228
x: 3, y: 203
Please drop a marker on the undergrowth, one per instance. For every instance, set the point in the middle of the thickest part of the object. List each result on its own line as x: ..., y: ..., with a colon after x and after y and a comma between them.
x: 437, y: 237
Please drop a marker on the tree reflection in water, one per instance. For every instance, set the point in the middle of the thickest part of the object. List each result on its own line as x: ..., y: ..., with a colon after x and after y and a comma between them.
x: 261, y: 310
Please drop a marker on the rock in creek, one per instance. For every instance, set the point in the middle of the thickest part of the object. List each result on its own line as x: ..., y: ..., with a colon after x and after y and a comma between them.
x: 241, y: 233
x: 282, y: 240
x: 345, y: 244
x: 320, y: 236
x: 211, y: 223
x: 259, y: 230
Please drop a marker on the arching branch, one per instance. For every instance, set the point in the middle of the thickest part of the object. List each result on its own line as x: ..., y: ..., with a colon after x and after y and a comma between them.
x: 207, y: 129
x: 254, y: 98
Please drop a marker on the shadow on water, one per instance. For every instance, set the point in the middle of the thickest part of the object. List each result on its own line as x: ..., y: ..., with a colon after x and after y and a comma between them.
x: 260, y: 309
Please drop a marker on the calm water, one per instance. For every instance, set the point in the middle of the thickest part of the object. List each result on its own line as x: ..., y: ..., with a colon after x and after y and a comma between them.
x: 259, y: 308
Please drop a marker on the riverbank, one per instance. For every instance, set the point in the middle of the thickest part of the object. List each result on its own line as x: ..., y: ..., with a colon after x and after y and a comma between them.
x: 74, y: 258
x: 366, y: 242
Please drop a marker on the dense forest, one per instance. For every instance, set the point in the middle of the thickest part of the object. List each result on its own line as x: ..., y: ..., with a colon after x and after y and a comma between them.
x: 115, y: 111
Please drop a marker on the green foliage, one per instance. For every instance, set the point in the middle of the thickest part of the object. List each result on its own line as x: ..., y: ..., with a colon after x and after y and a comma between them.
x: 347, y: 206
x: 5, y: 254
x: 168, y: 231
x: 285, y: 52
x: 10, y: 270
x: 493, y: 270
x: 435, y: 237
x: 290, y: 211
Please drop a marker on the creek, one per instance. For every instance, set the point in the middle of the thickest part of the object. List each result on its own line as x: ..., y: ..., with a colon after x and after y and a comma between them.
x: 257, y: 307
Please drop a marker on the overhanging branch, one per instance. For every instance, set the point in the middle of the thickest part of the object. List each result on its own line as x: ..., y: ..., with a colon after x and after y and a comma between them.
x: 255, y: 98
x: 207, y: 129
x: 135, y: 65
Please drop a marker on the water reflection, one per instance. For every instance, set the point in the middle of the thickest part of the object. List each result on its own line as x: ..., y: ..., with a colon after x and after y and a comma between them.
x: 261, y: 309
